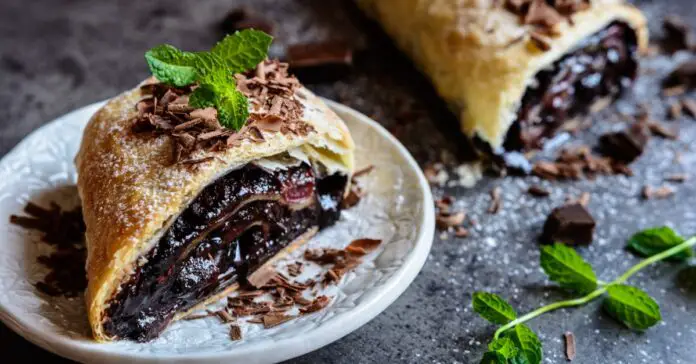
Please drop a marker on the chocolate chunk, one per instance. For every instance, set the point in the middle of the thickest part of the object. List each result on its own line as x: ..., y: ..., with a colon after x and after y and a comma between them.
x: 677, y: 34
x: 625, y: 145
x: 235, y: 333
x: 569, y: 224
x: 684, y: 74
x: 320, y: 62
x: 238, y: 19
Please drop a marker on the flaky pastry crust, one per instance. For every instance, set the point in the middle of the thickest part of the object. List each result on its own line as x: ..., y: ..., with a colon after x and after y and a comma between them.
x: 131, y: 191
x: 480, y: 57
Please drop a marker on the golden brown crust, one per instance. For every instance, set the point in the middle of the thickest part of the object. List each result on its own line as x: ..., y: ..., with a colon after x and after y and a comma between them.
x: 130, y: 191
x: 479, y: 55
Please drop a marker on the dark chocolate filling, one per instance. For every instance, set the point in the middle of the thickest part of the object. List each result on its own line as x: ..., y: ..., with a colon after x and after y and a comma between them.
x: 602, y: 65
x: 230, y: 229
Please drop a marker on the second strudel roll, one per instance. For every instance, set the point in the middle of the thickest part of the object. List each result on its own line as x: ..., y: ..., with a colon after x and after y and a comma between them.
x: 514, y: 71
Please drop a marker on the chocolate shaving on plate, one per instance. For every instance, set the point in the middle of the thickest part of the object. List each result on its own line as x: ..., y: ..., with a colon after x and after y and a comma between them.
x: 316, y: 305
x: 65, y: 231
x: 235, y: 333
x: 274, y: 319
x: 295, y: 269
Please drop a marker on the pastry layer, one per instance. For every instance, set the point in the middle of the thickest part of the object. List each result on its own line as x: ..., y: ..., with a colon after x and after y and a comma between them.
x: 481, y: 57
x: 230, y: 229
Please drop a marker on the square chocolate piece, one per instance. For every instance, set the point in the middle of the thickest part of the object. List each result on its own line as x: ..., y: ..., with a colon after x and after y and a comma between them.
x: 569, y: 224
x: 625, y: 145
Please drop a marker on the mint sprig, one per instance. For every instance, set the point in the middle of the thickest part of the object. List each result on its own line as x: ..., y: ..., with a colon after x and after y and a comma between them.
x: 213, y: 71
x: 627, y: 304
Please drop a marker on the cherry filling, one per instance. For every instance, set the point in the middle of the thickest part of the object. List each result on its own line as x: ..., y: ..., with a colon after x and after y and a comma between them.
x: 601, y: 66
x: 230, y: 229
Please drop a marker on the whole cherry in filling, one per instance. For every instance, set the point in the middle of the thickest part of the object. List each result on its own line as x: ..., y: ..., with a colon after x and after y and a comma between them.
x: 600, y: 67
x: 229, y: 230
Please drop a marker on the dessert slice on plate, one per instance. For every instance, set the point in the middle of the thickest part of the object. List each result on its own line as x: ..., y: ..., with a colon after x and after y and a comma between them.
x: 196, y: 181
x: 514, y: 71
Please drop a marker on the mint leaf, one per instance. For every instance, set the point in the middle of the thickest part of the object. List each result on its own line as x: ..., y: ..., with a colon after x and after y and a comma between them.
x: 567, y: 268
x: 526, y: 342
x: 243, y: 50
x: 505, y: 346
x: 170, y: 65
x: 493, y: 308
x: 233, y: 110
x: 633, y: 307
x: 656, y: 240
x: 493, y: 357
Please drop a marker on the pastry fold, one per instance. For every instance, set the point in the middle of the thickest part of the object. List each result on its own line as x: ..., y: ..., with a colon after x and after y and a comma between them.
x: 483, y: 56
x: 139, y: 207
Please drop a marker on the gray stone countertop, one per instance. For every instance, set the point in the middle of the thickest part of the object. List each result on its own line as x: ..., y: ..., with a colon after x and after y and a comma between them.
x: 57, y: 55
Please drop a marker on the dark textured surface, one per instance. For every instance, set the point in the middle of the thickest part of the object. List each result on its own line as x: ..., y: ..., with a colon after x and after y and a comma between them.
x: 61, y: 54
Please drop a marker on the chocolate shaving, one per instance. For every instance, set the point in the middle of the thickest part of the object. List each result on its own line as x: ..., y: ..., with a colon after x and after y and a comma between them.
x: 363, y: 246
x: 674, y: 90
x: 363, y: 171
x: 661, y: 192
x: 659, y: 129
x: 274, y: 108
x: 496, y: 202
x: 295, y: 269
x: 65, y: 231
x: 235, y: 333
x: 677, y: 178
x: 447, y: 220
x: 355, y: 194
x: 578, y: 163
x: 461, y: 232
x: 538, y: 191
x: 197, y: 317
x: 675, y: 110
x: 274, y: 319
x: 224, y: 316
x: 540, y: 41
x: 689, y: 107
x: 569, y: 345
x: 316, y: 305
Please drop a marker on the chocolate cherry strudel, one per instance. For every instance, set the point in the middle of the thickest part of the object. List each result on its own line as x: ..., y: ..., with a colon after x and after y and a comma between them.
x: 515, y: 70
x: 179, y: 210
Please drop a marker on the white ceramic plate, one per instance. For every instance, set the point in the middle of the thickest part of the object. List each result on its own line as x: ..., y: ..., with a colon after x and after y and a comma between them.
x: 398, y: 209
